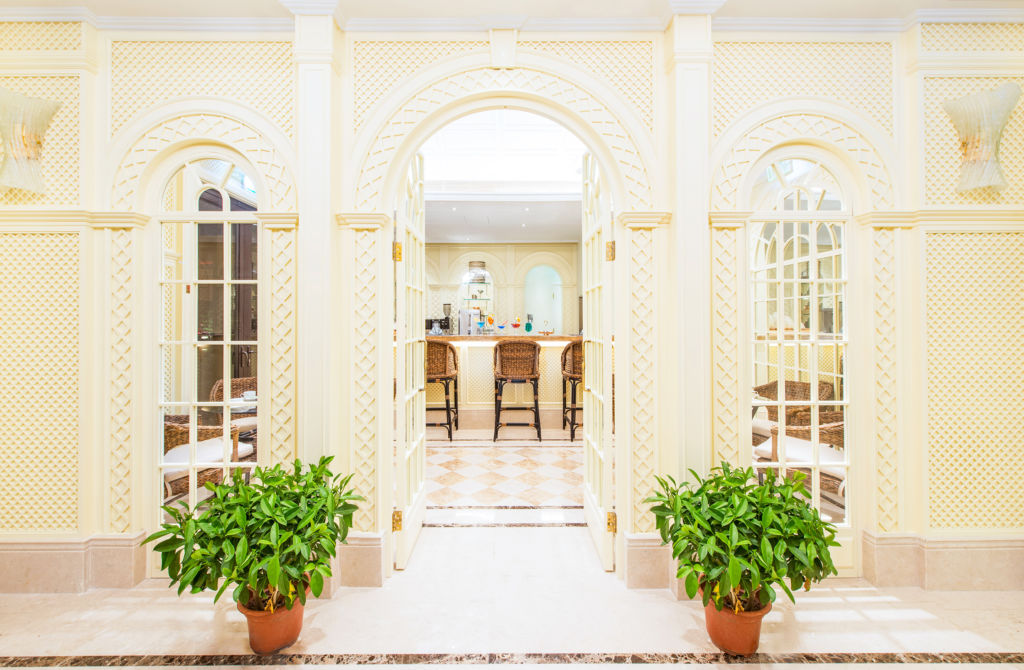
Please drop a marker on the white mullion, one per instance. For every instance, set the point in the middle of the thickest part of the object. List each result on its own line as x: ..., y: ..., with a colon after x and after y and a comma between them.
x: 812, y: 362
x: 226, y: 349
x: 780, y: 353
x: 190, y: 244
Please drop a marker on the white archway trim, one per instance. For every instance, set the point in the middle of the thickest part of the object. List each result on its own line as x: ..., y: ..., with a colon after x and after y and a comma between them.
x: 864, y: 148
x: 596, y: 121
x: 137, y: 148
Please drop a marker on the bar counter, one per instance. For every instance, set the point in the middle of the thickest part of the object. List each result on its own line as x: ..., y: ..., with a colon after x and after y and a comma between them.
x: 476, y: 372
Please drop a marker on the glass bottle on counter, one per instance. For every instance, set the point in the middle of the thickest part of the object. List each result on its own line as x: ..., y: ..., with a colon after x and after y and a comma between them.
x: 476, y: 298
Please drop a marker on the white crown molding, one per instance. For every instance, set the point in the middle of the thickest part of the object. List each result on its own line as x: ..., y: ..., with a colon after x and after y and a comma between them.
x: 695, y: 6
x: 485, y: 23
x: 805, y: 25
x: 980, y: 15
x: 47, y: 14
x: 310, y: 7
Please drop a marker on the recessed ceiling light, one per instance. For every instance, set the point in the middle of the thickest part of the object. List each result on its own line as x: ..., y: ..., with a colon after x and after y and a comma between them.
x: 524, y: 225
x: 453, y: 209
x: 527, y: 209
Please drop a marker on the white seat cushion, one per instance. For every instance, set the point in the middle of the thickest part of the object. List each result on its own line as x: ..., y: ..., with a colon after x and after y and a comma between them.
x: 207, y: 451
x: 762, y: 427
x: 798, y: 451
x: 245, y: 423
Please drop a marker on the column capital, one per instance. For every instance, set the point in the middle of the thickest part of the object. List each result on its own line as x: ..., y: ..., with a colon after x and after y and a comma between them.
x: 728, y: 219
x: 310, y: 7
x: 644, y: 220
x: 117, y: 220
x: 686, y: 7
x: 888, y: 219
x: 363, y: 220
x: 278, y: 220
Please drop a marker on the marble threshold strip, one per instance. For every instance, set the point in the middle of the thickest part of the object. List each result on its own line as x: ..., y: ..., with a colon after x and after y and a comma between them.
x: 690, y: 658
x: 490, y: 507
x: 517, y: 524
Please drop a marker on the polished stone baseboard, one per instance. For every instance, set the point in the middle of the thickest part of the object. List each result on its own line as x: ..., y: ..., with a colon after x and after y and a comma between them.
x: 966, y: 564
x: 72, y: 565
x: 648, y: 563
x: 361, y: 560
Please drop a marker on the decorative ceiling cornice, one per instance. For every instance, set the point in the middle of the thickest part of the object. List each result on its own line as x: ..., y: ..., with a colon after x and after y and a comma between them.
x: 695, y: 6
x: 310, y: 7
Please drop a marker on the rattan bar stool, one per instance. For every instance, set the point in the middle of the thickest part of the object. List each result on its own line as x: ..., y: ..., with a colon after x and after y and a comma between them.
x: 516, y: 362
x: 442, y: 367
x: 572, y: 377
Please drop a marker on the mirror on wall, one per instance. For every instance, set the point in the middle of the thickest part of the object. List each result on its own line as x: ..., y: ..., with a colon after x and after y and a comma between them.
x: 542, y: 297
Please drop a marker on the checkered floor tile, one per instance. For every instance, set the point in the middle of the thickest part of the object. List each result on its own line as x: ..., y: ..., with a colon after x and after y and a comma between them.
x: 500, y: 476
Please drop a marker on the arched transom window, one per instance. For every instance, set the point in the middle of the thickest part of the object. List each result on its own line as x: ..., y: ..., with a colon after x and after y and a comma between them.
x: 797, y: 315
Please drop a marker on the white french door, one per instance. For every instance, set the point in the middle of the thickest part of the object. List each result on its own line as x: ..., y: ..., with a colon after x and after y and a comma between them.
x: 597, y: 363
x: 410, y: 396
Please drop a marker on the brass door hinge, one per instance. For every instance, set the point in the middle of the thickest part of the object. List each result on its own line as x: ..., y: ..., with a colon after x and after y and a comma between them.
x: 609, y: 251
x: 396, y: 252
x: 613, y: 523
x: 396, y: 521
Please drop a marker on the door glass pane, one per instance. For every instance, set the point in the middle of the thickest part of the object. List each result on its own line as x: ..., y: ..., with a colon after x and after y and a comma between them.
x: 243, y: 312
x: 210, y: 252
x: 243, y: 250
x: 210, y: 321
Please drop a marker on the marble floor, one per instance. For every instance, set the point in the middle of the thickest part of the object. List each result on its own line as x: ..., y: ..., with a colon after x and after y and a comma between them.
x: 510, y: 595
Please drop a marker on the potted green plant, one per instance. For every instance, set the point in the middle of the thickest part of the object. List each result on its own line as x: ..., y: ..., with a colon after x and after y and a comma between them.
x: 269, y: 538
x: 736, y: 539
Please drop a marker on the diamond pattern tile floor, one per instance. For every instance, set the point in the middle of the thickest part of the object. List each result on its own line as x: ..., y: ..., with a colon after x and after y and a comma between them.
x: 504, y: 475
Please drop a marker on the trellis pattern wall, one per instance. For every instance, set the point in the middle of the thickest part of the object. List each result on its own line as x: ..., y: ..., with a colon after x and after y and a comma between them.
x: 885, y: 392
x: 642, y: 361
x: 283, y: 389
x: 725, y: 356
x: 858, y: 75
x: 257, y: 74
x: 40, y: 409
x: 378, y: 66
x: 121, y: 291
x: 41, y: 36
x: 952, y: 37
x: 942, y: 145
x: 627, y: 66
x: 975, y: 364
x: 62, y: 144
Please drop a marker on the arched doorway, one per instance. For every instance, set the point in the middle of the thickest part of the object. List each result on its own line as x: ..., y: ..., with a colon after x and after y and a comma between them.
x: 594, y: 228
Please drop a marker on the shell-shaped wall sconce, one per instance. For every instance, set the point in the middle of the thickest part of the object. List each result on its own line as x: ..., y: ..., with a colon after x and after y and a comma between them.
x: 23, y: 122
x: 979, y: 119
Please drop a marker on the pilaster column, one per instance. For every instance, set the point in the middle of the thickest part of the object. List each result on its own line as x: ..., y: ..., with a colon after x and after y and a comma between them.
x: 730, y: 420
x: 691, y: 79
x: 364, y: 416
x: 116, y: 245
x: 277, y: 356
x: 316, y: 50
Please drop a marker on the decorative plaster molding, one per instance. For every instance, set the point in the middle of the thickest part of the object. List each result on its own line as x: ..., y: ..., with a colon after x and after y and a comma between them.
x: 97, y: 220
x: 695, y: 6
x: 852, y: 25
x: 728, y: 219
x: 912, y: 219
x: 483, y: 24
x: 310, y: 7
x: 233, y: 24
x: 363, y: 221
x: 644, y: 220
x: 278, y: 221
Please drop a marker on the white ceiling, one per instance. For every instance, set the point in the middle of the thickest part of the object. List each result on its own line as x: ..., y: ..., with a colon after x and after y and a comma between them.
x: 502, y: 221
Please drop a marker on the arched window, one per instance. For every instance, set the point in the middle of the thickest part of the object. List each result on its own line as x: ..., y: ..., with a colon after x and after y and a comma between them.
x: 797, y: 315
x: 208, y: 345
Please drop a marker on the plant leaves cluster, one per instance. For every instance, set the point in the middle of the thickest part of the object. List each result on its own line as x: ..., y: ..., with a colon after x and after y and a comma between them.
x: 270, y: 537
x: 737, y: 539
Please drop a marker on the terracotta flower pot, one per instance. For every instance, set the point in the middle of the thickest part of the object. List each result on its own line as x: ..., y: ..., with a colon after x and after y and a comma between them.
x: 273, y: 631
x: 736, y: 634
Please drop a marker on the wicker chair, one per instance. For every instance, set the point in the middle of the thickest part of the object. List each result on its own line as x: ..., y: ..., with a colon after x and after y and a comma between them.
x: 831, y: 435
x: 246, y: 421
x: 442, y: 367
x: 176, y: 434
x: 794, y: 391
x: 572, y: 377
x: 516, y: 361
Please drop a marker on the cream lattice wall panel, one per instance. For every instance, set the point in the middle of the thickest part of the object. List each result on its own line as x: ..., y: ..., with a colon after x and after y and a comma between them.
x: 121, y: 323
x: 365, y: 407
x: 972, y: 37
x: 380, y: 65
x: 725, y: 245
x: 60, y: 145
x: 749, y: 74
x: 942, y: 145
x: 975, y: 365
x: 642, y: 439
x: 40, y: 36
x: 627, y: 66
x: 283, y: 388
x: 884, y: 275
x: 39, y: 381
x: 258, y: 74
